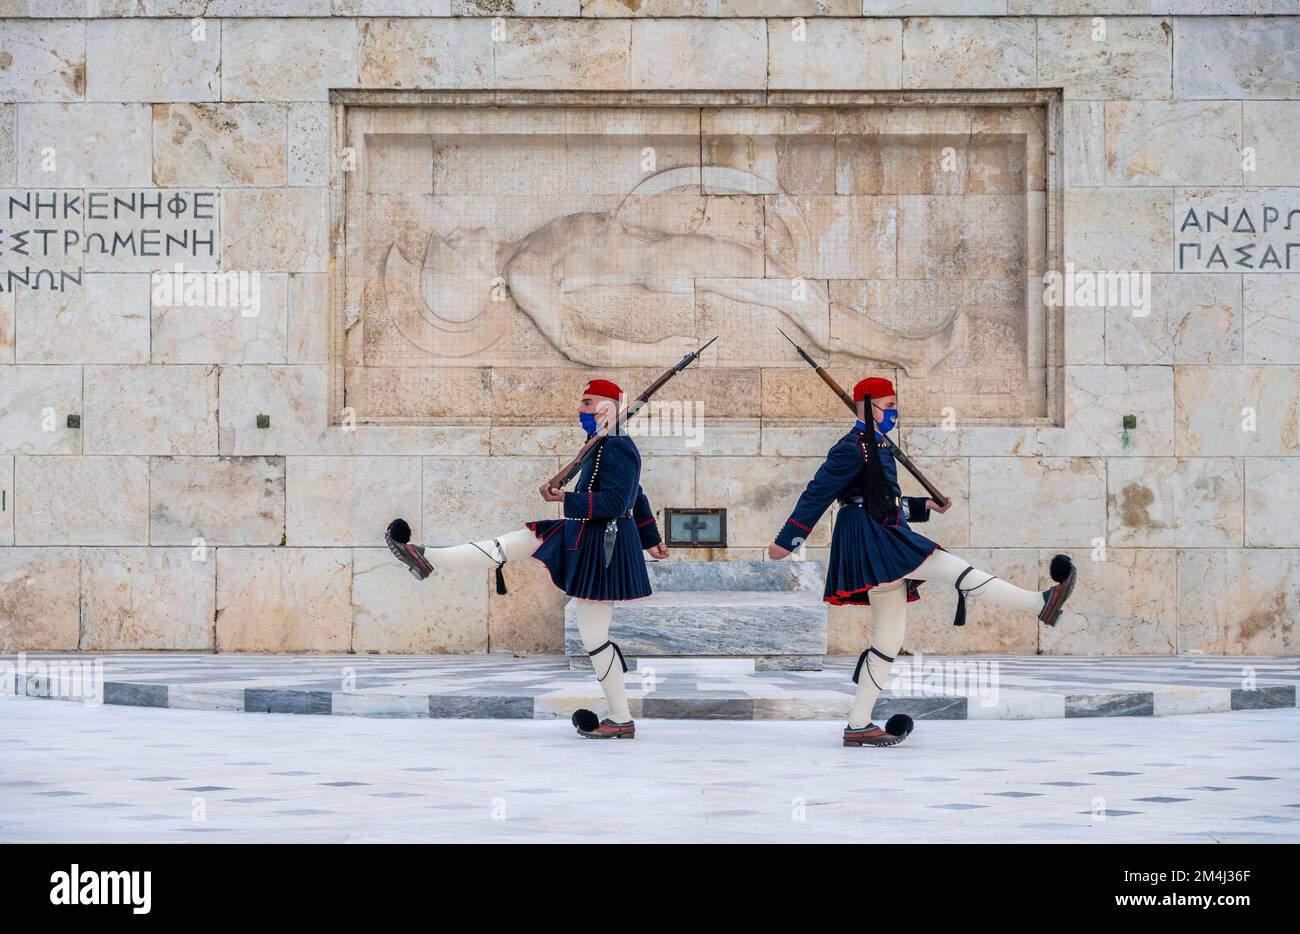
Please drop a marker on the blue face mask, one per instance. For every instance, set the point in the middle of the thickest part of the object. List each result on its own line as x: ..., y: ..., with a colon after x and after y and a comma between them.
x: 889, y: 417
x: 588, y: 422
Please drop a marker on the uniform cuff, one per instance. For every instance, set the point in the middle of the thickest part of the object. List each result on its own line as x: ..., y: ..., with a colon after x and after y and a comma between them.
x: 791, y: 531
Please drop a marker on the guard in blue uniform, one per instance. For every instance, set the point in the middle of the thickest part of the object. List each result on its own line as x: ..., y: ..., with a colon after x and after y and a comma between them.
x: 593, y: 554
x: 876, y: 554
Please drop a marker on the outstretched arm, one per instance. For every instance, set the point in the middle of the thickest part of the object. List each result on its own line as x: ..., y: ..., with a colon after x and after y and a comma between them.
x: 841, y: 467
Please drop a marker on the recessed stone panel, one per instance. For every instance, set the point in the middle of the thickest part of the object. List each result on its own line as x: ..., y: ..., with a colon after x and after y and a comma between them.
x: 558, y: 240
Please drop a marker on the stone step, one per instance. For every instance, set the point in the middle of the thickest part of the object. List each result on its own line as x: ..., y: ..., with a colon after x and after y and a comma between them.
x: 728, y: 623
x: 736, y: 575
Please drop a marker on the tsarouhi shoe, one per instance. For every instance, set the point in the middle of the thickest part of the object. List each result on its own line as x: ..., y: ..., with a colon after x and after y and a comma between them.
x: 897, y: 729
x: 398, y: 537
x: 1065, y: 574
x: 588, y: 725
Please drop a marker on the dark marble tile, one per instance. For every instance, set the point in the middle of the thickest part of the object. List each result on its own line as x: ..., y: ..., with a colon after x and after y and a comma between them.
x: 670, y: 708
x: 135, y: 695
x: 480, y: 707
x: 920, y: 708
x: 1127, y: 704
x: 1111, y: 813
x: 1263, y: 698
x: 305, y: 812
x: 263, y: 700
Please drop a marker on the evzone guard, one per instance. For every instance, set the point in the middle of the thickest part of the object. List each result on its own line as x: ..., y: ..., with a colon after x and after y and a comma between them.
x: 876, y: 559
x: 593, y: 554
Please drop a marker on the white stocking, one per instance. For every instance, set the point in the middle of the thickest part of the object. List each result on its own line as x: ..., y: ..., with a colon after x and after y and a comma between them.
x: 593, y: 626
x: 514, y: 545
x: 888, y: 621
x: 945, y: 567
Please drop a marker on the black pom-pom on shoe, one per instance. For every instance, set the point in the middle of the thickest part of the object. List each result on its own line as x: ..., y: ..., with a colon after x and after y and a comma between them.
x: 399, y: 531
x: 398, y: 538
x: 1061, y: 568
x: 1064, y: 573
x: 585, y: 720
x: 900, y: 724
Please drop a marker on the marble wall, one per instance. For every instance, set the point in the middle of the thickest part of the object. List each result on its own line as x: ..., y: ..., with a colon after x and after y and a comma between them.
x: 184, y: 475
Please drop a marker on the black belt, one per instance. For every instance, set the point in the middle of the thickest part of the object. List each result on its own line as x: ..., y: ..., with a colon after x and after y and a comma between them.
x: 857, y: 501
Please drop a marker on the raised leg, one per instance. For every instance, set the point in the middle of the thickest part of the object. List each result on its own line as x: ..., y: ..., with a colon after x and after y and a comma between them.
x: 486, y: 554
x: 946, y: 568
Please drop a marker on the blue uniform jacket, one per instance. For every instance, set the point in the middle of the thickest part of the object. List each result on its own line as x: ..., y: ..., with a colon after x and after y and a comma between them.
x: 844, y: 475
x: 617, y: 489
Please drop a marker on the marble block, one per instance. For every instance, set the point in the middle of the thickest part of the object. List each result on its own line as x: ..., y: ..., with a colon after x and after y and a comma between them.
x: 768, y: 612
x: 736, y: 575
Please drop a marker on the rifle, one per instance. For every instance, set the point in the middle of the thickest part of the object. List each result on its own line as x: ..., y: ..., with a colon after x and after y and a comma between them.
x: 571, y: 469
x: 889, y: 444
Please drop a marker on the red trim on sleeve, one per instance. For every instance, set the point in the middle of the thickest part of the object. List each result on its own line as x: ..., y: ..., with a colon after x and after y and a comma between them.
x: 798, y: 525
x: 646, y: 522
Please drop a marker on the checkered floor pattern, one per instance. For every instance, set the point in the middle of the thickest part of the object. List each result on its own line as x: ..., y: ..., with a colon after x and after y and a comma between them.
x: 541, y: 687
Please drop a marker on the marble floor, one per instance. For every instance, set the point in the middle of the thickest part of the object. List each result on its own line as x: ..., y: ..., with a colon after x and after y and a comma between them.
x: 499, y: 686
x: 70, y: 772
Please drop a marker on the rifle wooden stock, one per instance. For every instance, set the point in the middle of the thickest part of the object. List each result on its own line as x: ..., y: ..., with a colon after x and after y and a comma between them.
x: 899, y: 456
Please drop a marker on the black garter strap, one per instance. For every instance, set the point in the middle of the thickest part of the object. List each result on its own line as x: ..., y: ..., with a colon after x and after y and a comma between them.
x: 501, y: 578
x: 960, y: 618
x: 862, y: 660
x: 602, y: 647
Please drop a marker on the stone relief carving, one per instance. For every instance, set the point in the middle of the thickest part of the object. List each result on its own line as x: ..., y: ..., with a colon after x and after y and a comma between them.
x: 908, y: 240
x: 557, y: 273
